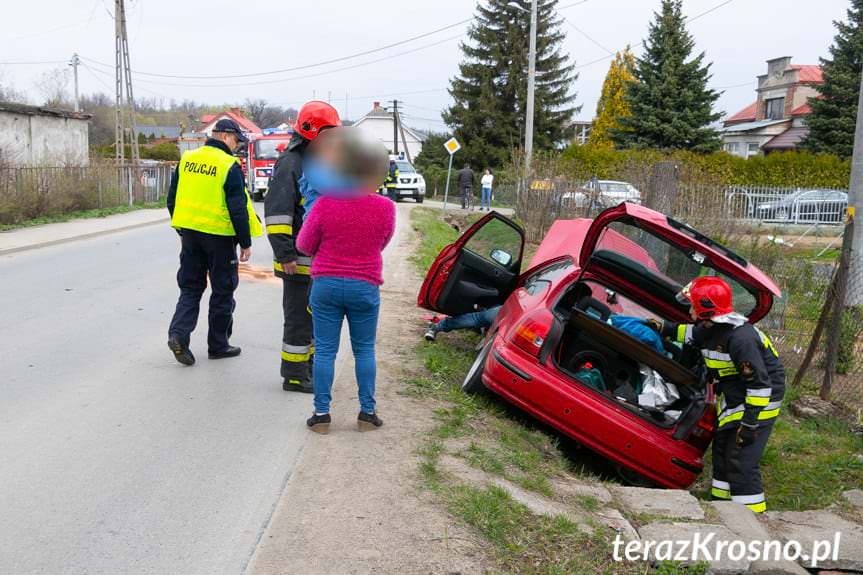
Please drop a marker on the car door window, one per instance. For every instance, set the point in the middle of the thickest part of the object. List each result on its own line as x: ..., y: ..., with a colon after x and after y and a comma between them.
x: 497, y: 242
x: 545, y: 276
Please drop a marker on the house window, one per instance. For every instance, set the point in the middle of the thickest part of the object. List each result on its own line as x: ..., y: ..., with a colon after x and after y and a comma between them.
x: 752, y: 149
x: 731, y: 147
x: 775, y: 108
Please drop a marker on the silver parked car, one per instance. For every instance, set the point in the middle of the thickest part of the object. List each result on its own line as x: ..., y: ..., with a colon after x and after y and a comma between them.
x: 605, y: 194
x: 805, y: 207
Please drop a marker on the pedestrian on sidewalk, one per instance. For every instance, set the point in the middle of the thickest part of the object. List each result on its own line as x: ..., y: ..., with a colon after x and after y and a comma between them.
x: 346, y: 233
x: 285, y: 210
x: 212, y: 211
x: 465, y: 184
x: 486, y: 182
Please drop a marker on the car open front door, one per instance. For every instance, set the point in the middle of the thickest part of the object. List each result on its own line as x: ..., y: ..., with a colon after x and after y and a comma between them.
x: 479, y: 270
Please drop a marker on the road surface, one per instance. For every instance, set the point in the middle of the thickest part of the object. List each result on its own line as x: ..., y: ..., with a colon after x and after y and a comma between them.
x: 113, y: 457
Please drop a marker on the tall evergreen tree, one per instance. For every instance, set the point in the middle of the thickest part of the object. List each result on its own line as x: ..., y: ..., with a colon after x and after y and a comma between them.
x: 834, y: 114
x: 672, y: 107
x: 490, y: 92
x: 612, y: 105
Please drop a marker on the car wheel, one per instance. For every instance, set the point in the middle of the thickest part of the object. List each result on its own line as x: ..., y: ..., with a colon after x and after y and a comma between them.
x: 257, y: 197
x: 419, y: 199
x: 632, y: 478
x: 472, y: 383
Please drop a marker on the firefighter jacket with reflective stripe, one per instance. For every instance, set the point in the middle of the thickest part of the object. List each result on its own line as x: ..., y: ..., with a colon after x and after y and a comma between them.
x: 285, y: 209
x: 201, y: 194
x: 392, y: 177
x: 750, y: 379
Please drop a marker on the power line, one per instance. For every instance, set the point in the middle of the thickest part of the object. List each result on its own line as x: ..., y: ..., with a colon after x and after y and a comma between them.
x: 586, y: 35
x: 292, y: 78
x: 33, y: 63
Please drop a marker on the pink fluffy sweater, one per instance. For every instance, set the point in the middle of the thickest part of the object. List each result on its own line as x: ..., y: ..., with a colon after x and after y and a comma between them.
x: 345, y: 236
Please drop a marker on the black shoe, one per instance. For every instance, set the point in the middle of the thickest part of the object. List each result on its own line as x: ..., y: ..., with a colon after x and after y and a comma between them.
x: 230, y: 351
x: 319, y: 423
x: 297, y: 385
x: 368, y: 421
x: 182, y: 353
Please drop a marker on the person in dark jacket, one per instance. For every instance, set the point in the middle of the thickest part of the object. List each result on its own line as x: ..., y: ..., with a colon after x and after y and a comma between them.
x: 465, y: 184
x: 284, y: 205
x: 750, y: 385
x: 212, y: 212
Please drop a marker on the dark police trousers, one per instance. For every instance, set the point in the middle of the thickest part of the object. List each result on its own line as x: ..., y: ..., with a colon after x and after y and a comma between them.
x: 201, y: 255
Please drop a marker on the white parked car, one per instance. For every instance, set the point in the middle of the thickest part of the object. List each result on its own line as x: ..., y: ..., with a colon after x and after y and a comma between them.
x: 411, y: 183
x: 605, y: 193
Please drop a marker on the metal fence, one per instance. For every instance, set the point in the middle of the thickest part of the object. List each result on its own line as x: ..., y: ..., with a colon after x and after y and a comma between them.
x: 793, y: 235
x: 33, y: 192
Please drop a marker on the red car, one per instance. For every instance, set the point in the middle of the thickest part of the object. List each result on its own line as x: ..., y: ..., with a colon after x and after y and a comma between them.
x: 562, y: 347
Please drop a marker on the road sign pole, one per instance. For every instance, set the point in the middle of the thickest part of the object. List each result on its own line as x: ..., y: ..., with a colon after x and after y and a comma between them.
x: 446, y: 190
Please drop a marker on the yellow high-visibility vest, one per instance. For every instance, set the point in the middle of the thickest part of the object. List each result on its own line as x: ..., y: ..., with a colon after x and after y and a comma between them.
x: 200, y: 203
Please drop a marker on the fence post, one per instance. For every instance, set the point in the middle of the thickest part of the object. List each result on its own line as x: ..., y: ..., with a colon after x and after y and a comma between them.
x: 839, y: 288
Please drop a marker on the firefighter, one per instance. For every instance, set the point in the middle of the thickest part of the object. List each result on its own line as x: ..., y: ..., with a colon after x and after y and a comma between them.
x: 392, y: 180
x: 284, y: 217
x: 749, y: 383
x: 212, y: 212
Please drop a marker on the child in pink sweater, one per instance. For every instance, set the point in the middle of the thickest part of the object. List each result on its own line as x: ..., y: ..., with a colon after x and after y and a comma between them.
x: 345, y: 233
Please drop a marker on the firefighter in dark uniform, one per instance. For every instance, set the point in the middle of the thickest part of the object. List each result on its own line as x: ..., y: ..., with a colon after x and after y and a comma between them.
x: 212, y: 212
x: 749, y: 384
x: 392, y: 180
x: 284, y: 218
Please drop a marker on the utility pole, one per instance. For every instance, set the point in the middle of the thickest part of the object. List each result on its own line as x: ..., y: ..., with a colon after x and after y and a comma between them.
x: 125, y: 107
x: 404, y: 140
x: 74, y: 63
x: 395, y: 127
x: 346, y: 106
x: 854, y: 293
x: 531, y: 86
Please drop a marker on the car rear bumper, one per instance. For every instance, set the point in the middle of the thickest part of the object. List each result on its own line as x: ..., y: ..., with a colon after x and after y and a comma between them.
x: 590, y: 418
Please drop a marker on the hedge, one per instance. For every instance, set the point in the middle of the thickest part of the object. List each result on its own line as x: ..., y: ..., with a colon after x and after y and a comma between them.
x: 782, y: 169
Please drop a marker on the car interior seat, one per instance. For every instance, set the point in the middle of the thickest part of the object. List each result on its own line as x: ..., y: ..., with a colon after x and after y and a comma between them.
x: 593, y: 307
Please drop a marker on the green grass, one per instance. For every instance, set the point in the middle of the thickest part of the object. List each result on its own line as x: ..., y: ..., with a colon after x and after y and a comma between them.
x: 96, y: 213
x: 436, y: 235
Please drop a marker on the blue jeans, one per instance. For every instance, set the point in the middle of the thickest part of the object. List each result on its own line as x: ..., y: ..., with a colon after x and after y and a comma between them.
x: 331, y: 300
x: 474, y: 320
x: 486, y: 198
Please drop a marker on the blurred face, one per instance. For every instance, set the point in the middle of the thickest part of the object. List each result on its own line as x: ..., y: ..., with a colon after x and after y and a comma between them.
x: 349, y: 155
x: 229, y: 139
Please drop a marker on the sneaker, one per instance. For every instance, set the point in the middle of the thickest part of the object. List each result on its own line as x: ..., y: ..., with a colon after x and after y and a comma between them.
x: 182, y: 353
x: 431, y: 333
x: 319, y: 423
x: 368, y: 421
x: 298, y: 386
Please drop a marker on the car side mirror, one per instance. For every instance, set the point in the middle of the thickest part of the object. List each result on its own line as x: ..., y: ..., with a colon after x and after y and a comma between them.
x: 501, y: 257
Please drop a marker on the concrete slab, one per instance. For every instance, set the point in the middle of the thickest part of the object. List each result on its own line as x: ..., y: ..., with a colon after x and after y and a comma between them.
x: 674, y: 503
x: 807, y: 527
x: 614, y: 519
x: 854, y: 497
x: 575, y: 489
x: 62, y: 232
x: 693, y: 533
x: 743, y: 522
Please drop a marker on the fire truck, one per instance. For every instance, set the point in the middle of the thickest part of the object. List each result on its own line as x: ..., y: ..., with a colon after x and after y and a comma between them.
x: 258, y: 158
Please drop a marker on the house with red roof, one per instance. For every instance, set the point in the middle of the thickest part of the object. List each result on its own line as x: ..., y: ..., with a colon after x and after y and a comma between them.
x: 776, y: 121
x: 208, y: 121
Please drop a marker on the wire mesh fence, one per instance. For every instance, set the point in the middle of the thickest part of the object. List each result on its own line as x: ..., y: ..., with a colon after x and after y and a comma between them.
x: 32, y: 192
x: 794, y: 235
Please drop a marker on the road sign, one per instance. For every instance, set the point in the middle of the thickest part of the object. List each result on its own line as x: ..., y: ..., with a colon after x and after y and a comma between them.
x: 452, y: 146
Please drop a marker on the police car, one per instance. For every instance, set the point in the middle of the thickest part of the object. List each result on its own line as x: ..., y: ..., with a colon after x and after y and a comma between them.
x: 410, y: 184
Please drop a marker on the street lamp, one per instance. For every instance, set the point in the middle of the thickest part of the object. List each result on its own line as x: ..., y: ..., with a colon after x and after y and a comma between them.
x: 531, y: 77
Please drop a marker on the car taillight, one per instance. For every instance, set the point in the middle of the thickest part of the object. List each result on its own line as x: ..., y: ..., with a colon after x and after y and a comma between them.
x: 531, y: 332
x: 702, y: 431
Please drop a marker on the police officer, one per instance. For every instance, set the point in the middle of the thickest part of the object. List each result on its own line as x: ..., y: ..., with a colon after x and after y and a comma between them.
x: 212, y: 212
x: 284, y: 218
x: 391, y: 181
x: 750, y: 385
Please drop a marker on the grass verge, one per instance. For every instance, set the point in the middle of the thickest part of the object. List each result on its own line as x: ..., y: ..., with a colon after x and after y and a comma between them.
x: 96, y: 213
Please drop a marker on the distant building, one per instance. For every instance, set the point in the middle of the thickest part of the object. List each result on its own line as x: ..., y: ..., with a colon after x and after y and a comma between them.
x: 379, y: 123
x: 208, y: 121
x: 159, y: 132
x: 777, y: 119
x: 35, y: 136
x: 581, y: 131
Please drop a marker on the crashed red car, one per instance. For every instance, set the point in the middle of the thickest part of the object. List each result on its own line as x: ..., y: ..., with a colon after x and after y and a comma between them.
x: 553, y: 351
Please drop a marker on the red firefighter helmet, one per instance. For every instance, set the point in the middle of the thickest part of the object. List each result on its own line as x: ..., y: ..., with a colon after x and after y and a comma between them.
x: 710, y: 296
x: 314, y: 116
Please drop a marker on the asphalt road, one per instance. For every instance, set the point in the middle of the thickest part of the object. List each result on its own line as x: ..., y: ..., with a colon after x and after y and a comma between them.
x: 113, y: 457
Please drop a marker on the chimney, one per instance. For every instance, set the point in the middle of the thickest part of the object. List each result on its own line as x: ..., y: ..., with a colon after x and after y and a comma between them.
x: 377, y: 106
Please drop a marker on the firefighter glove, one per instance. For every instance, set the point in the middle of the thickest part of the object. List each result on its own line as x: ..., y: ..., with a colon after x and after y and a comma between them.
x: 654, y: 324
x: 746, y: 434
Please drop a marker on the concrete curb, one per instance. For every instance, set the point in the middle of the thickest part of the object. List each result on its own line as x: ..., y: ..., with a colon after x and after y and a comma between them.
x: 85, y: 236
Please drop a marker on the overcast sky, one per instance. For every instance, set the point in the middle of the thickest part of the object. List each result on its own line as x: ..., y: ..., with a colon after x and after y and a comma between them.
x: 218, y: 37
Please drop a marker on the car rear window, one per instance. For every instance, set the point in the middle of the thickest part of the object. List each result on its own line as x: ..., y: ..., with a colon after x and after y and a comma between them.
x: 660, y: 263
